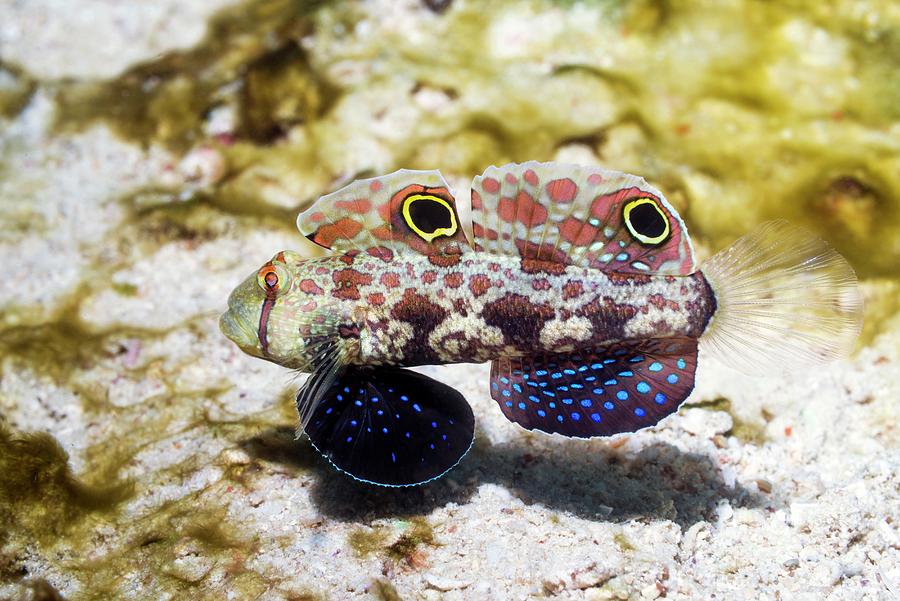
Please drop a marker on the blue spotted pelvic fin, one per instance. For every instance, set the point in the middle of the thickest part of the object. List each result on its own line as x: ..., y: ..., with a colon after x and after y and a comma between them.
x: 391, y: 426
x: 624, y: 387
x: 403, y: 212
x: 579, y: 215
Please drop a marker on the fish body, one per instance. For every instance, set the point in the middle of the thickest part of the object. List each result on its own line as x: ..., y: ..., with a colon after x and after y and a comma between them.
x: 414, y: 310
x: 580, y: 287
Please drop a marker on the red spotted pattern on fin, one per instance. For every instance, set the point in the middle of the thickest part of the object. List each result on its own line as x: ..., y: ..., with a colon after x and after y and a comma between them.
x: 622, y: 388
x: 403, y: 212
x: 579, y: 215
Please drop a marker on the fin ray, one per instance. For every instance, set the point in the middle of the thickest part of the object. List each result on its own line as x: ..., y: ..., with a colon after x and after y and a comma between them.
x: 785, y: 299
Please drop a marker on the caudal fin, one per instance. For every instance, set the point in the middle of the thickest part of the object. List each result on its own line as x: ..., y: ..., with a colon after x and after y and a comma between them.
x: 785, y: 299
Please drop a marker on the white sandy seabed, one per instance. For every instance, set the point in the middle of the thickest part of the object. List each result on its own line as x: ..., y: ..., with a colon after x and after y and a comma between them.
x: 807, y: 508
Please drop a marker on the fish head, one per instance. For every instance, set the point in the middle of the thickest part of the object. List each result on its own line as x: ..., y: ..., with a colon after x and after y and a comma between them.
x: 272, y: 317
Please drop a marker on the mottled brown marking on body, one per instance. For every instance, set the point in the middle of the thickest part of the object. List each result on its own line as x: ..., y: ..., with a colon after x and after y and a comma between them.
x: 518, y: 318
x: 348, y: 330
x: 348, y: 257
x: 347, y: 283
x: 444, y: 260
x: 376, y: 299
x: 453, y: 280
x: 572, y: 289
x: 627, y: 279
x: 380, y: 252
x: 700, y: 310
x: 540, y: 284
x: 479, y: 284
x: 424, y: 316
x: 607, y: 318
x: 460, y: 307
x: 390, y: 280
x: 310, y: 287
x: 534, y: 266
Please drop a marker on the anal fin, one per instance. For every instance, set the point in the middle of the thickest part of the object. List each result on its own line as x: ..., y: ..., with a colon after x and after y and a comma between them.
x: 621, y: 388
x: 391, y: 426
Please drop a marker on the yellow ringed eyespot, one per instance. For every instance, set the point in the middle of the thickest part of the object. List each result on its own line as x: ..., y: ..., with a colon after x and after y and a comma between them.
x: 646, y: 220
x: 429, y: 216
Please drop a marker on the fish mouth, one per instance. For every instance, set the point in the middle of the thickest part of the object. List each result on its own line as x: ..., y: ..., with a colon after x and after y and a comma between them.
x: 239, y: 331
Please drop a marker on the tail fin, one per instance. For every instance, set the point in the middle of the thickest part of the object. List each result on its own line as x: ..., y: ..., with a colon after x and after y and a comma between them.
x: 785, y: 299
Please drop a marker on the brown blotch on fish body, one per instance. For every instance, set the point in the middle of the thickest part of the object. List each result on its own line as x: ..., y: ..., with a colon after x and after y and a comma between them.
x: 380, y: 252
x: 347, y: 282
x: 607, y: 318
x: 479, y: 284
x: 627, y: 279
x: 535, y: 266
x: 444, y: 260
x: 453, y: 280
x: 310, y: 287
x: 424, y: 316
x: 390, y: 280
x: 540, y: 284
x: 572, y: 289
x: 348, y: 330
x: 518, y: 318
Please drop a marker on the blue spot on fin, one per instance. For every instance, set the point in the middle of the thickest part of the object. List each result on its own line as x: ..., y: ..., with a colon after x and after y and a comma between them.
x: 412, y: 442
x: 626, y: 405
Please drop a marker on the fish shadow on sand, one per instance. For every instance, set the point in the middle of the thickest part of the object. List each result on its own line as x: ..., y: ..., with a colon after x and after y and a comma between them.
x: 660, y: 482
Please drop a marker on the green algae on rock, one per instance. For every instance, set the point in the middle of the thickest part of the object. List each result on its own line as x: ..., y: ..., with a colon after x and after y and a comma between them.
x: 16, y: 89
x: 38, y: 491
x: 746, y: 431
x: 166, y: 101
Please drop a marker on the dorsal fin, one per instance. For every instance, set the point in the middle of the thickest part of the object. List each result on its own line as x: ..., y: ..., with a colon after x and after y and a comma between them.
x: 578, y: 215
x: 405, y: 211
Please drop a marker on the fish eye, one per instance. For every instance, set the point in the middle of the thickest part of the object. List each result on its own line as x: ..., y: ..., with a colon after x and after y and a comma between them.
x: 646, y: 221
x: 273, y: 278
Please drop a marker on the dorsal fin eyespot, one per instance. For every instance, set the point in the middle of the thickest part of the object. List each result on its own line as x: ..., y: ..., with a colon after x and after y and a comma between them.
x: 646, y: 220
x: 579, y: 215
x: 429, y: 213
x: 405, y: 211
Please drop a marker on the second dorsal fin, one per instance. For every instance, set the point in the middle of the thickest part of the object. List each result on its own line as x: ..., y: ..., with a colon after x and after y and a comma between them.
x: 578, y: 215
x: 405, y: 211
